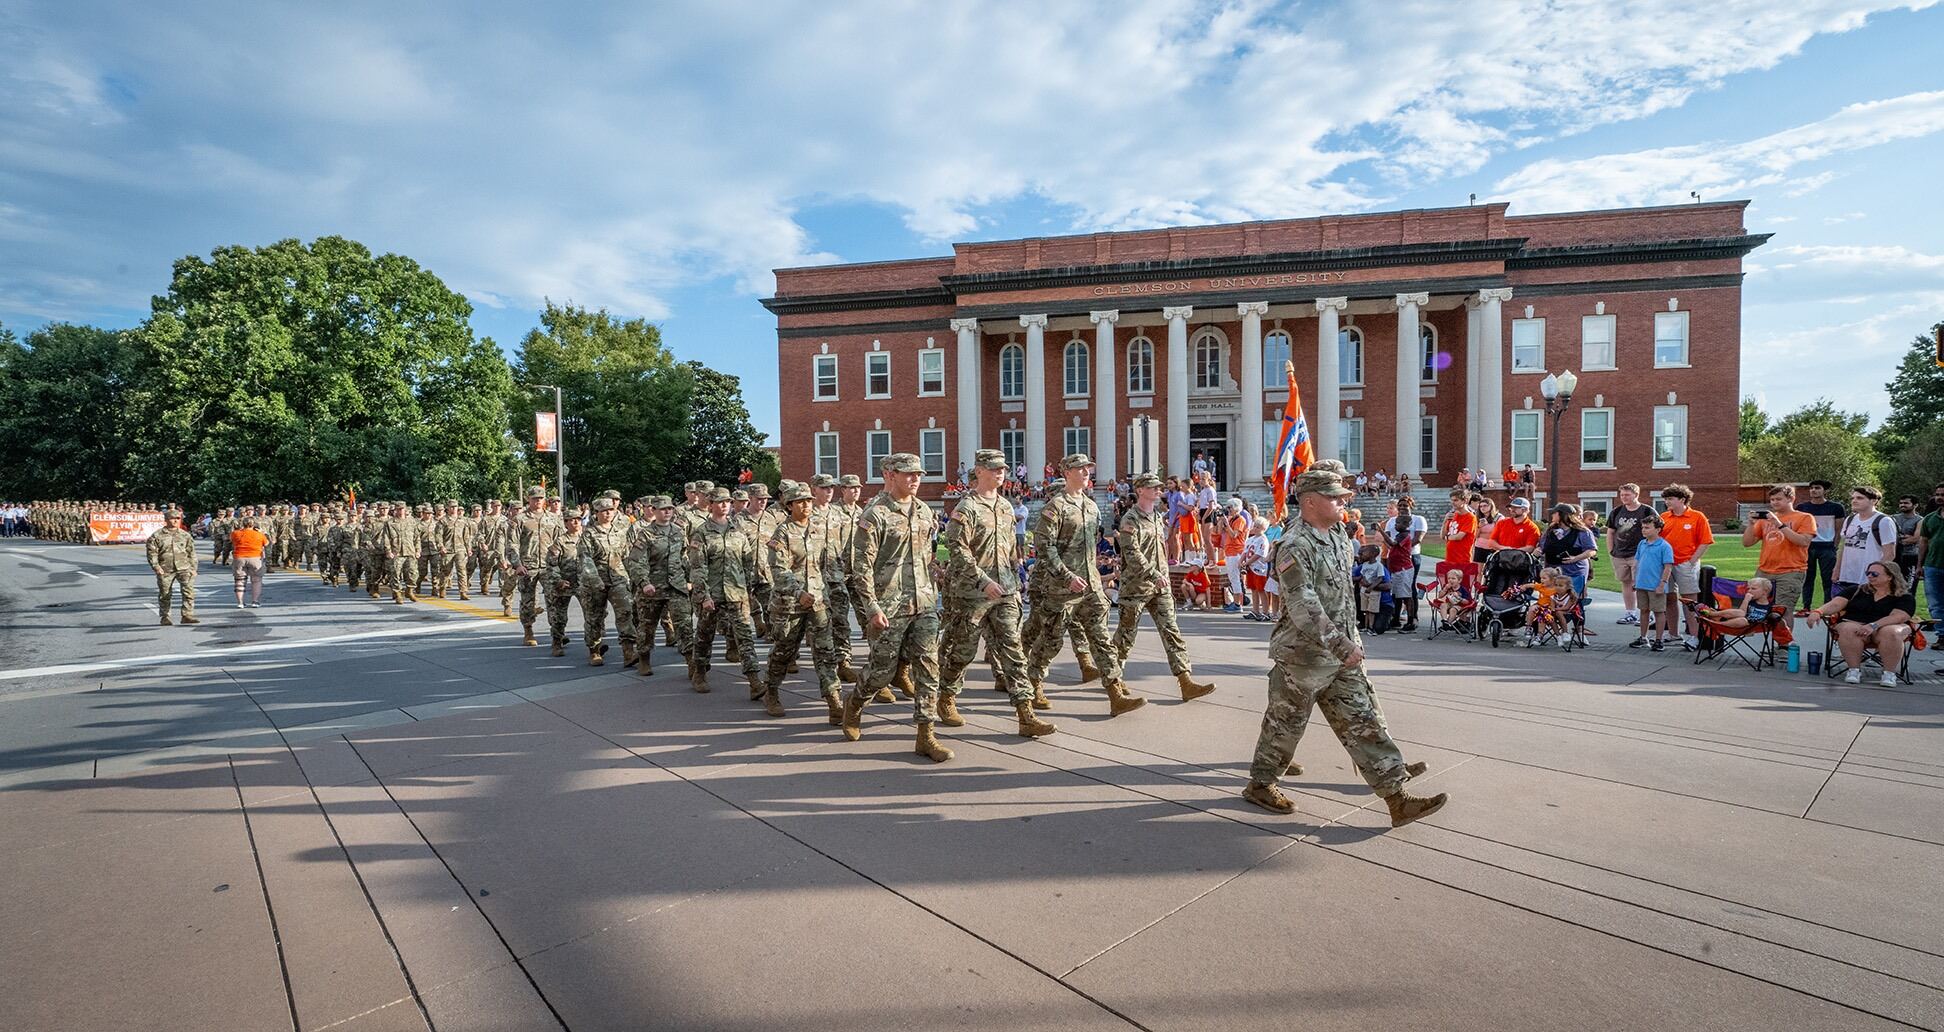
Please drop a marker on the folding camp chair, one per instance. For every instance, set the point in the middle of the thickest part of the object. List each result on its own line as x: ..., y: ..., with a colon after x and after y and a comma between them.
x: 1755, y: 644
x: 1833, y: 657
x: 1465, y: 620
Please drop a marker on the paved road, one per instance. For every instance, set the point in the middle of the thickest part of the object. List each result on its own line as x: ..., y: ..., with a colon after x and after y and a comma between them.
x: 334, y: 813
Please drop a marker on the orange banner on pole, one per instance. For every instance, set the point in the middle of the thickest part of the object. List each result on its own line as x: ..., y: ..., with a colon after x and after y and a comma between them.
x: 122, y: 528
x: 546, y: 432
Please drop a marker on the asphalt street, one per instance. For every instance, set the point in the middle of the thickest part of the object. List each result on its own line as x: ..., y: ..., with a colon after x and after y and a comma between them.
x: 332, y: 812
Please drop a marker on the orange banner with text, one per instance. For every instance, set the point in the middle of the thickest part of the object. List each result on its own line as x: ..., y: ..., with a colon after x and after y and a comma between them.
x: 122, y: 528
x: 546, y: 429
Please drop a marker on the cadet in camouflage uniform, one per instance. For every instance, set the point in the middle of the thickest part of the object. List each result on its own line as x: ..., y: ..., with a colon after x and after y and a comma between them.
x: 330, y: 546
x: 891, y: 584
x: 1066, y: 584
x: 1144, y: 585
x: 403, y: 539
x: 658, y: 564
x: 604, y: 583
x: 219, y: 532
x: 377, y: 568
x: 982, y: 596
x: 489, y: 548
x: 562, y: 573
x: 357, y: 537
x: 722, y: 555
x: 172, y: 555
x: 765, y: 519
x: 303, y: 537
x: 428, y: 560
x: 534, y: 532
x: 1318, y: 659
x: 797, y: 551
x: 283, y: 528
x: 840, y: 527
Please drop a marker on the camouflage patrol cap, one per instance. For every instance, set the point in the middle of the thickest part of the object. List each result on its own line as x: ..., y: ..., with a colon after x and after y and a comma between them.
x: 762, y: 490
x: 823, y: 480
x: 536, y: 491
x: 849, y: 480
x: 454, y: 502
x: 1078, y: 460
x: 689, y: 488
x: 1330, y: 466
x: 739, y: 496
x: 602, y: 503
x: 1147, y: 480
x: 902, y: 462
x: 660, y: 502
x: 571, y: 514
x: 1317, y: 480
x: 720, y: 494
x: 707, y: 487
x: 611, y: 495
x: 795, y: 493
x: 989, y: 458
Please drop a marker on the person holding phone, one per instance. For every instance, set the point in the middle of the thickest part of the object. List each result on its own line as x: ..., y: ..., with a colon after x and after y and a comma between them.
x: 1785, y: 535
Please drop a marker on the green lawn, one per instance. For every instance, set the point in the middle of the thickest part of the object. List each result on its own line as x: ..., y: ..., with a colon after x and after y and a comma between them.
x: 1726, y: 555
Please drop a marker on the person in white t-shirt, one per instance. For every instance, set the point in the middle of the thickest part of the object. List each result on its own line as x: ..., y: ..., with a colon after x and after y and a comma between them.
x: 1865, y: 536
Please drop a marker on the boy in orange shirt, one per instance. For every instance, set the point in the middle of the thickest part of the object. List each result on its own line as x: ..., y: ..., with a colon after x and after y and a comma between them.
x: 1785, y: 535
x: 1687, y: 530
x: 1460, y: 528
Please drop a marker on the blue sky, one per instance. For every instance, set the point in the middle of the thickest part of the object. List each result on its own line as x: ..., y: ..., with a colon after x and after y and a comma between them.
x: 658, y: 160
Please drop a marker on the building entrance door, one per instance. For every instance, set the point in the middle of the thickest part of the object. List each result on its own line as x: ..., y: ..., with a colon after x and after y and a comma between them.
x: 1210, y: 441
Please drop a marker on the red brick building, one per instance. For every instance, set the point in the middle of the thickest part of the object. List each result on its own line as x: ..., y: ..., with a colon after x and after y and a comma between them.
x: 1144, y: 348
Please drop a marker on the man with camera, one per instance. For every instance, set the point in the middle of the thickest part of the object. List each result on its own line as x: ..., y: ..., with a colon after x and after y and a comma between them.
x: 1785, y: 535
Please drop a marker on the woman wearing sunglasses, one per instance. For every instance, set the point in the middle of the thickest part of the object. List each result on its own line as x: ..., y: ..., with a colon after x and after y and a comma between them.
x: 1873, y: 615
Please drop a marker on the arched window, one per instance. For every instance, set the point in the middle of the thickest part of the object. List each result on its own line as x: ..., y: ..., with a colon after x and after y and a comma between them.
x: 1079, y: 369
x: 1140, y: 366
x: 1275, y: 352
x: 1012, y: 373
x: 1428, y: 336
x: 1208, y: 354
x: 1349, y: 357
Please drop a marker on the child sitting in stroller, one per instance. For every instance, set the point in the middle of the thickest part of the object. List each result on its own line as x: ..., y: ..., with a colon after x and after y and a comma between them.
x: 1554, y: 610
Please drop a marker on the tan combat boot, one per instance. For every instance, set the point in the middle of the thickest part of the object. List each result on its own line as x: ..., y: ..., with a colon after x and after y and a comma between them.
x: 884, y: 694
x: 756, y: 687
x: 836, y: 710
x: 928, y: 746
x: 904, y: 684
x: 597, y: 653
x: 628, y: 656
x: 641, y: 664
x: 848, y: 673
x: 559, y: 649
x: 166, y: 622
x: 948, y: 713
x: 506, y: 607
x: 1120, y: 700
x: 1406, y: 808
x: 529, y: 639
x: 698, y: 678
x: 1040, y: 701
x: 1030, y: 725
x: 773, y: 704
x: 1294, y: 770
x: 1191, y: 690
x: 190, y: 619
x: 1269, y: 797
x: 853, y: 723
x: 1088, y: 672
x: 398, y: 598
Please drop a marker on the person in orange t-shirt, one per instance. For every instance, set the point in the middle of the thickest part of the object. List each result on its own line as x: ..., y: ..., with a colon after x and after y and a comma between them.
x: 1785, y: 534
x: 1516, y: 529
x: 1460, y: 528
x: 246, y: 554
x: 1687, y: 530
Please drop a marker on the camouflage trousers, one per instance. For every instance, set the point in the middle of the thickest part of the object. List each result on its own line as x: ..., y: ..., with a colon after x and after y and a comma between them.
x: 404, y: 573
x: 329, y: 562
x: 220, y: 549
x: 452, y: 572
x: 603, y: 591
x: 789, y: 626
x: 649, y: 610
x: 966, y: 621
x: 353, y: 567
x: 559, y: 593
x: 842, y: 620
x: 1160, y: 606
x: 911, y: 642
x: 165, y: 584
x: 1086, y: 614
x: 531, y: 586
x: 1345, y: 697
x: 306, y: 551
x: 488, y: 569
x: 377, y: 572
x: 1035, y: 624
x: 737, y: 627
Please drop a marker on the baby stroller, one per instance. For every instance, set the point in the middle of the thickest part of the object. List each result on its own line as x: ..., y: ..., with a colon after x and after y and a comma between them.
x: 1505, y: 570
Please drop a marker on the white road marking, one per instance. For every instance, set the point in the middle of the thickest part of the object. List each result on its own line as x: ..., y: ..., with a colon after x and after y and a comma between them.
x: 262, y: 647
x: 85, y: 573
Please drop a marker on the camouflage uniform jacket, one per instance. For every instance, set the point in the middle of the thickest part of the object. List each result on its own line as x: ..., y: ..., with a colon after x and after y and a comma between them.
x: 983, y: 547
x: 534, y: 535
x: 1318, y: 625
x: 1143, y: 555
x: 172, y: 550
x: 464, y: 530
x: 560, y: 564
x: 603, y: 552
x: 1063, y: 542
x: 840, y: 529
x: 663, y: 549
x: 796, y: 555
x: 766, y: 523
x: 891, y: 558
x: 402, y: 536
x: 722, y: 554
x: 220, y: 527
x: 492, y: 539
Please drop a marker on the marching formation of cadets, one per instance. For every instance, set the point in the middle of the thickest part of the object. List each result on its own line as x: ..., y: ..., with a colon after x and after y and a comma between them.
x: 807, y: 574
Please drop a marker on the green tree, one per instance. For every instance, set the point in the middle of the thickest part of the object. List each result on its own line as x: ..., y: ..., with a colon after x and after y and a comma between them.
x: 1916, y: 398
x: 1822, y: 411
x: 1812, y: 451
x: 624, y: 399
x: 62, y: 393
x: 291, y: 370
x: 1754, y: 422
x: 722, y: 440
x: 1919, y: 466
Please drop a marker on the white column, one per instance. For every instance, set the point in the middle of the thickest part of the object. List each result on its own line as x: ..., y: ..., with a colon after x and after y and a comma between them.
x: 1035, y: 396
x: 1410, y: 362
x: 1177, y: 388
x: 1106, y: 427
x: 1491, y: 379
x: 1250, y: 446
x: 1472, y: 457
x: 1329, y: 403
x: 969, y: 395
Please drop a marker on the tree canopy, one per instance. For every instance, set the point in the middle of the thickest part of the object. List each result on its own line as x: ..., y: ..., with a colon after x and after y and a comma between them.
x: 61, y: 397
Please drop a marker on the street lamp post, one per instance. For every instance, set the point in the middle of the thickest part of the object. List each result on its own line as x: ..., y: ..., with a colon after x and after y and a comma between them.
x: 1558, y: 392
x: 560, y: 441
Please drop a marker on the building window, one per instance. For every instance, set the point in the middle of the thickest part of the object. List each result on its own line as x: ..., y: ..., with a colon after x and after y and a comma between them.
x: 1275, y: 355
x: 1013, y: 443
x: 877, y: 374
x: 1428, y: 444
x: 1525, y: 438
x: 877, y: 448
x: 1012, y: 373
x: 825, y: 375
x: 1596, y: 438
x: 1208, y: 361
x: 931, y: 372
x: 931, y: 450
x: 1271, y: 436
x: 827, y: 454
x: 1598, y: 502
x: 1077, y: 440
x: 1350, y: 444
x: 1350, y: 361
x: 1140, y: 366
x: 1670, y: 339
x: 1670, y: 435
x: 1528, y: 345
x: 1079, y: 370
x: 1596, y: 342
x: 1428, y: 337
